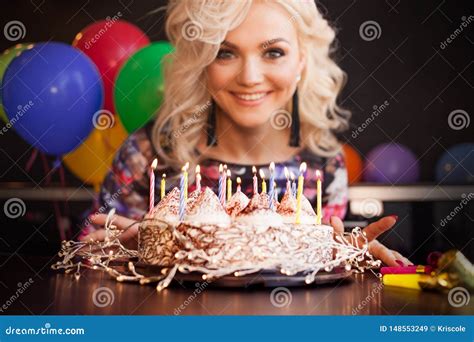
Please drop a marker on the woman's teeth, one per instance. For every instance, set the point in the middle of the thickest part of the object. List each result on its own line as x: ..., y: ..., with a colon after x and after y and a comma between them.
x: 250, y: 97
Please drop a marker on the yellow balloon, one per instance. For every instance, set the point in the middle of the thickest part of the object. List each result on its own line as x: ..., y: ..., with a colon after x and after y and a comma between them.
x: 91, y: 161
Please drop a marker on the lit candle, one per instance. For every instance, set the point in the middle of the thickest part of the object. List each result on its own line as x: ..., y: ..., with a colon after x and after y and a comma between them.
x: 198, y: 178
x: 183, y: 193
x: 239, y: 181
x: 229, y: 186
x: 287, y: 175
x: 154, y: 164
x: 255, y: 181
x: 293, y: 184
x: 163, y: 185
x: 271, y: 181
x: 318, y: 197
x: 221, y: 185
x: 264, y: 184
x: 299, y: 193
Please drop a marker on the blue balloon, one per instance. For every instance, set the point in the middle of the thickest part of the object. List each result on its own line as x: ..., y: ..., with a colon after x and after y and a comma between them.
x: 50, y: 94
x: 456, y: 165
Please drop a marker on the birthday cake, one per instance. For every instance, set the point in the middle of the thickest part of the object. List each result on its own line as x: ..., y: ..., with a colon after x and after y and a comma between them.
x: 242, y: 236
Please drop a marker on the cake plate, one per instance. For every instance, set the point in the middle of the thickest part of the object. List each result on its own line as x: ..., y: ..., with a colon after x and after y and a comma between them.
x: 264, y: 278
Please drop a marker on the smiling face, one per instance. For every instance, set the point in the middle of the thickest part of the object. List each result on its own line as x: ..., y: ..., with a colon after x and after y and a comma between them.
x: 255, y: 72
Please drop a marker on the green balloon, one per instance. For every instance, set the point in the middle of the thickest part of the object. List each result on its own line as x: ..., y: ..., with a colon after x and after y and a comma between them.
x: 5, y: 59
x: 138, y: 90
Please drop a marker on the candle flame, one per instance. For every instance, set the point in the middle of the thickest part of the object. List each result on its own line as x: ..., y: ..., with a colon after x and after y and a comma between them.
x: 239, y: 180
x: 198, y: 169
x: 164, y: 175
x: 303, y: 167
x: 287, y: 173
x: 272, y: 166
x: 254, y: 170
x: 225, y: 166
x: 186, y: 167
x: 292, y: 175
x: 318, y: 174
x: 262, y: 174
x: 228, y: 173
x: 154, y: 164
x: 221, y: 168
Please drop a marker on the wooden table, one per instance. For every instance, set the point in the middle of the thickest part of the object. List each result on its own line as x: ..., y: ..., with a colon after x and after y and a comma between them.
x: 54, y: 292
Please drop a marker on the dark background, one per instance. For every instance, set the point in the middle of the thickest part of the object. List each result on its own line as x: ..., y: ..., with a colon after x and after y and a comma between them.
x: 405, y: 66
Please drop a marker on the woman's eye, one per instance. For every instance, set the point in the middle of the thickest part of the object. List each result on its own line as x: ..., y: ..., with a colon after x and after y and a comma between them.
x: 224, y: 54
x: 274, y: 53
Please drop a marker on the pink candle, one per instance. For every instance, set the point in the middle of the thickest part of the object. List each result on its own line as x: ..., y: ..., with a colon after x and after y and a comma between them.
x: 198, y: 178
x: 255, y: 180
x: 152, y: 184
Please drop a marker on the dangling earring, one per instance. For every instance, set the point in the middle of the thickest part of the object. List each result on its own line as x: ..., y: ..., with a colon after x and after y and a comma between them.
x: 211, y: 125
x: 295, y: 122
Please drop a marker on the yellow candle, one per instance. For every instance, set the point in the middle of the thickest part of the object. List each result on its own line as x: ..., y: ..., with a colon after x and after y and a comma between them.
x: 163, y: 185
x: 185, y: 174
x: 318, y: 197
x: 264, y: 184
x: 229, y: 186
x: 299, y: 192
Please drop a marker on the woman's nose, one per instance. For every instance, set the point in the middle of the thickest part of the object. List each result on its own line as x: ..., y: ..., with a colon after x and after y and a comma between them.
x: 251, y: 73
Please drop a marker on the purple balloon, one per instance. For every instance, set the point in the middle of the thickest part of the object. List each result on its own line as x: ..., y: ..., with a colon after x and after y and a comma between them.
x: 391, y: 163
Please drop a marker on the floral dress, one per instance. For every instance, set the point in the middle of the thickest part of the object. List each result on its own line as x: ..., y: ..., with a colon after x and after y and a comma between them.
x: 126, y: 186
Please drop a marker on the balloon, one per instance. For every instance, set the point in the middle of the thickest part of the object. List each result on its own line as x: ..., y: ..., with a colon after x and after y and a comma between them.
x: 5, y: 59
x: 50, y: 95
x: 139, y: 89
x: 456, y: 165
x: 109, y: 44
x: 391, y: 163
x: 91, y: 161
x: 354, y: 164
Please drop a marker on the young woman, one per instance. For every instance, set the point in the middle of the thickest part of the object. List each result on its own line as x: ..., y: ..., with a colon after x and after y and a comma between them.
x: 250, y: 82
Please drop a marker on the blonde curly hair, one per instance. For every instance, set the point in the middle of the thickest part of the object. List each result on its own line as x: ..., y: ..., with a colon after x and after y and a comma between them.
x: 196, y: 29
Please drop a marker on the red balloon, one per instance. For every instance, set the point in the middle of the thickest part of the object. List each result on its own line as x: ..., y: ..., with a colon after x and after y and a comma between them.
x: 109, y: 43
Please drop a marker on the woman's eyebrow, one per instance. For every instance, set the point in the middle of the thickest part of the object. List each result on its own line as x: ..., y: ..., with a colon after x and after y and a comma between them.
x: 263, y: 45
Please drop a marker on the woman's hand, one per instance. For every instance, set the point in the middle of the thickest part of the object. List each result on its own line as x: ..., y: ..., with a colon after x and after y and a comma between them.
x: 128, y: 237
x: 372, y: 231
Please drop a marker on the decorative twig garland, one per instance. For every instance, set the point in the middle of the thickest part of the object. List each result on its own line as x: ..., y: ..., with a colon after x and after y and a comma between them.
x: 99, y: 255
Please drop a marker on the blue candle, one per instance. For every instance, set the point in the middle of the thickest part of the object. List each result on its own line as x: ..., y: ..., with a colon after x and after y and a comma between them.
x: 183, y: 191
x: 221, y: 185
x: 293, y: 184
x: 271, y: 192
